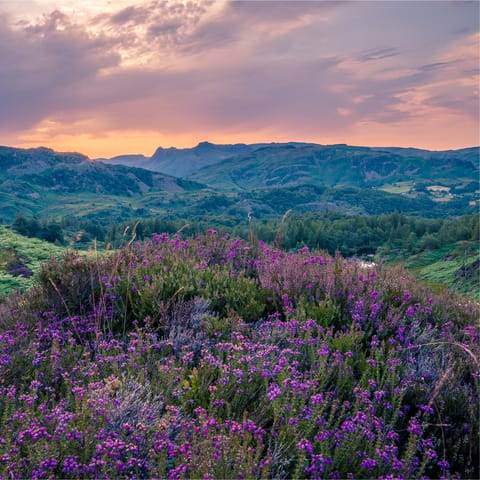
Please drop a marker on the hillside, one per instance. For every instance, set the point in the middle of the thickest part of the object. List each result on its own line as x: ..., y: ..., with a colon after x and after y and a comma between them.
x: 181, y: 162
x: 265, y: 182
x: 341, y: 165
x: 21, y: 258
x: 215, y: 357
x: 470, y: 154
x: 41, y: 181
x: 456, y: 267
x: 44, y: 169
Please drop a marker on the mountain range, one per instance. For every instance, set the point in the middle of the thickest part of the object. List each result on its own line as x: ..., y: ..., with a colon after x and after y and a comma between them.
x: 245, y: 167
x: 43, y: 182
x: 181, y: 162
x: 233, y: 180
x: 336, y: 166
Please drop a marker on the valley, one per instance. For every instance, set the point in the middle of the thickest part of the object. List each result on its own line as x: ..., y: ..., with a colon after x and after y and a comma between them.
x: 248, y: 190
x: 266, y: 181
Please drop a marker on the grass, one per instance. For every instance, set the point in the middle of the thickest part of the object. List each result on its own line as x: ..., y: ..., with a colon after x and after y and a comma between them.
x: 398, y: 187
x: 451, y: 266
x: 19, y: 250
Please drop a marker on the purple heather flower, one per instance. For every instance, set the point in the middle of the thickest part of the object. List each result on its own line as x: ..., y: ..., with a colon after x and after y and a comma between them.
x: 273, y: 391
x: 369, y: 463
x: 323, y: 351
x: 306, y: 445
x: 70, y: 464
x: 410, y: 311
x: 444, y: 465
x: 414, y: 427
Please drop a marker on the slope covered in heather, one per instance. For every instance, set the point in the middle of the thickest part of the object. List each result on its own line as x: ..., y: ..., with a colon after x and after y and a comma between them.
x: 180, y: 358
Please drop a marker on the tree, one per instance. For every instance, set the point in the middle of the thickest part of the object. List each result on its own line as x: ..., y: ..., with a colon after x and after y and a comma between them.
x: 20, y: 224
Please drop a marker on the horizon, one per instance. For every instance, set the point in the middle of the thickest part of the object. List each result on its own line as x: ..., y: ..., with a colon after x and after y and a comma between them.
x: 147, y: 155
x: 107, y: 79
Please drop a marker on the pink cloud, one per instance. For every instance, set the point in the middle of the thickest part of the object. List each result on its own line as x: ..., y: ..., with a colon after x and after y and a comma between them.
x: 288, y: 69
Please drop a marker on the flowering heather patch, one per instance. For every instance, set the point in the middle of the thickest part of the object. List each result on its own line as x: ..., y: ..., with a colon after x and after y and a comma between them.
x: 214, y: 358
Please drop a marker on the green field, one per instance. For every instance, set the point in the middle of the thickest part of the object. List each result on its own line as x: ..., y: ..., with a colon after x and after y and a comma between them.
x: 399, y: 188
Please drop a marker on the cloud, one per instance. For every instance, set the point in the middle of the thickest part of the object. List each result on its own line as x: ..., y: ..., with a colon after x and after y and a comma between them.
x: 69, y: 72
x: 300, y: 69
x: 43, y: 63
x: 378, y: 54
x: 255, y: 23
x: 269, y: 11
x: 152, y: 31
x: 132, y: 14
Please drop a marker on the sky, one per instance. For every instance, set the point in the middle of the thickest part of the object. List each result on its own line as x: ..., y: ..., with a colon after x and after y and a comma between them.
x: 115, y: 77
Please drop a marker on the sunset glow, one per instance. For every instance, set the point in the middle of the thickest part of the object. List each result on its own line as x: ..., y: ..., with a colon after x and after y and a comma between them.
x: 114, y: 77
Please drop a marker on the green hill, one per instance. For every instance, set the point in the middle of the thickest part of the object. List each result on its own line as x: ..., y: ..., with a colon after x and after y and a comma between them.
x: 338, y: 165
x: 21, y: 258
x: 181, y: 162
x: 43, y: 182
x: 266, y: 181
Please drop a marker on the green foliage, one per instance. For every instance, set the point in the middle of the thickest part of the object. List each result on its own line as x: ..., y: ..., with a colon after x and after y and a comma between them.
x: 336, y: 165
x: 303, y: 177
x: 394, y: 237
x: 48, y: 231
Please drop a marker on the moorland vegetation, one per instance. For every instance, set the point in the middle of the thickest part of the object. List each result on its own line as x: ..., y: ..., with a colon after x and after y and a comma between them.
x: 217, y: 357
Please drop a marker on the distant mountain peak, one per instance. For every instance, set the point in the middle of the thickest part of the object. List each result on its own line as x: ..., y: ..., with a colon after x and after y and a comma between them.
x: 205, y: 145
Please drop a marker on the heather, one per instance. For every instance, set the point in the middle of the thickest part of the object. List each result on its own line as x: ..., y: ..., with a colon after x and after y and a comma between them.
x: 216, y: 357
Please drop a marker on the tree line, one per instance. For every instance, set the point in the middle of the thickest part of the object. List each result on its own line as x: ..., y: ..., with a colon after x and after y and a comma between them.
x: 352, y: 235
